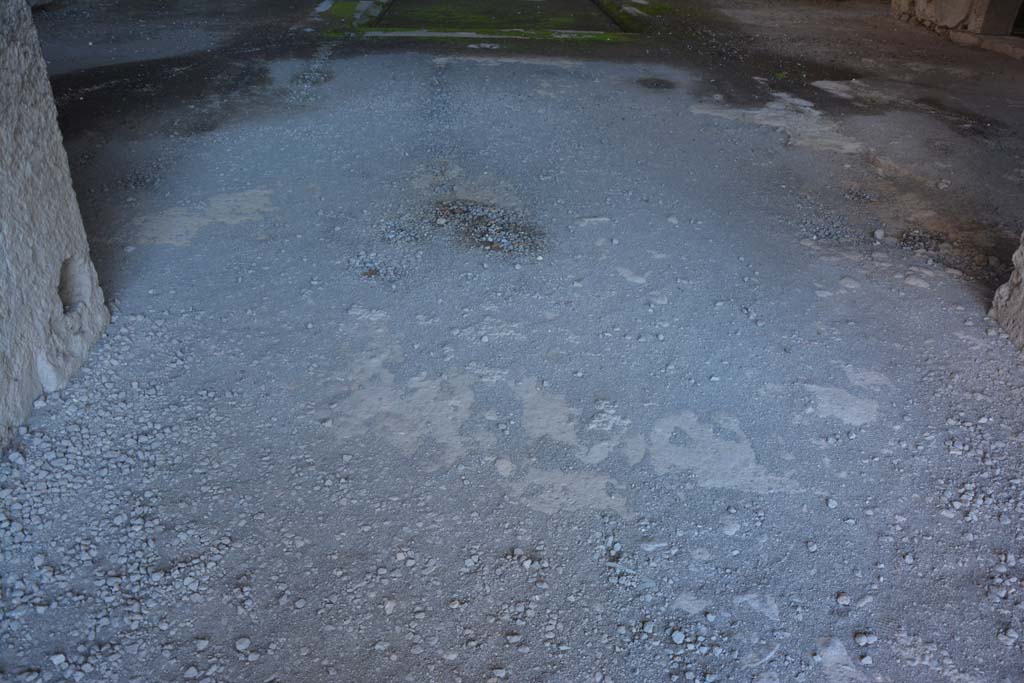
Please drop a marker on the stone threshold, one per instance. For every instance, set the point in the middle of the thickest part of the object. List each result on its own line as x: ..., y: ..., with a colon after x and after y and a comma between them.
x: 513, y: 34
x: 1011, y: 46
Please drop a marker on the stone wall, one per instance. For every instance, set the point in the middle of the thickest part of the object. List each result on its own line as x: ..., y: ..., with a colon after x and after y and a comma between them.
x: 960, y: 15
x: 51, y: 307
x: 1008, y: 303
x: 973, y: 16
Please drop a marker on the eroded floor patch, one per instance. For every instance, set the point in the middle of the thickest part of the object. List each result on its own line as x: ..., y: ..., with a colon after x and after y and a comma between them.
x: 552, y: 491
x: 178, y: 226
x: 423, y: 413
x: 715, y: 451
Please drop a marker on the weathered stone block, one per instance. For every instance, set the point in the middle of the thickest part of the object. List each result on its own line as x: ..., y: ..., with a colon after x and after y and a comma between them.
x: 965, y: 15
x: 1008, y: 303
x: 51, y: 306
x: 970, y: 16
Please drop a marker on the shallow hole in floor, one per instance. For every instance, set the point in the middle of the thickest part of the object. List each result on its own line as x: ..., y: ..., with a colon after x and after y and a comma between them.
x: 656, y: 83
x: 489, y: 227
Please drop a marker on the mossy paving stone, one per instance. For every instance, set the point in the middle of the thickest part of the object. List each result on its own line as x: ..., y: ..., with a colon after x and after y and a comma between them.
x: 480, y: 15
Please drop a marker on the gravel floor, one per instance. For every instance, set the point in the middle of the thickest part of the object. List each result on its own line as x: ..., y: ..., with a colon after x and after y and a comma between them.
x: 436, y: 363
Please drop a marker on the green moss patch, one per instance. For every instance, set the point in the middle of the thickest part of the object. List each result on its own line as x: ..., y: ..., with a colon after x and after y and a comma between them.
x: 493, y: 15
x: 459, y: 35
x: 344, y: 10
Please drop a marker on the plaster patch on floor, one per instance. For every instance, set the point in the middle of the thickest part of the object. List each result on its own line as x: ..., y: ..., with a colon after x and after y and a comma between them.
x: 178, y: 226
x: 690, y: 603
x: 836, y: 664
x: 607, y: 418
x: 716, y: 452
x: 730, y: 525
x: 762, y: 604
x: 546, y: 414
x: 550, y: 415
x: 842, y: 405
x: 634, y: 448
x: 423, y: 412
x: 551, y: 491
x: 915, y: 652
x: 449, y: 182
x: 597, y: 453
x: 856, y: 90
x: 866, y: 379
x: 803, y: 125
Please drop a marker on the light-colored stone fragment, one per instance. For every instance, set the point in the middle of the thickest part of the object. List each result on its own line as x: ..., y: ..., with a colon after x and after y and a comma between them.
x: 1008, y: 303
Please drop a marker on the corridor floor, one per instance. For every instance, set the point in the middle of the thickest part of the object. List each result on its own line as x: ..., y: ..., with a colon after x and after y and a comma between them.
x: 472, y: 361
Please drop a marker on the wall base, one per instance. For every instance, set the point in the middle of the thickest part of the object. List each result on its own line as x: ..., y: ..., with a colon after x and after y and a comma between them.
x: 51, y: 306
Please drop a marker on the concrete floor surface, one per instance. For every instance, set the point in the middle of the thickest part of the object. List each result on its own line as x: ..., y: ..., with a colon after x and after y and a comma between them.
x: 528, y: 361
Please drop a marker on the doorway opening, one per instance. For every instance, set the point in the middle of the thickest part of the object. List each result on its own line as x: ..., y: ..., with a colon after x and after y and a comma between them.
x: 1018, y: 23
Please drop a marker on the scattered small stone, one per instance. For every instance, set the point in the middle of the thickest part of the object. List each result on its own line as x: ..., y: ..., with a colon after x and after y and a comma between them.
x: 1008, y: 637
x: 865, y: 638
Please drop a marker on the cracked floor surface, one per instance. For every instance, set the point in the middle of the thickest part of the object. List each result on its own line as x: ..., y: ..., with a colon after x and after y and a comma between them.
x: 451, y: 362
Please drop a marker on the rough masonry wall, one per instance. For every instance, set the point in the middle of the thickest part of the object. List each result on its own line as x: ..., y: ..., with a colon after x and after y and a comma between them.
x: 1008, y: 303
x: 51, y: 306
x: 960, y: 15
x: 971, y: 16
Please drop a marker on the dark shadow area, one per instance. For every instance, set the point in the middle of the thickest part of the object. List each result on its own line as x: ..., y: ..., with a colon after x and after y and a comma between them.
x: 195, y: 94
x: 176, y: 97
